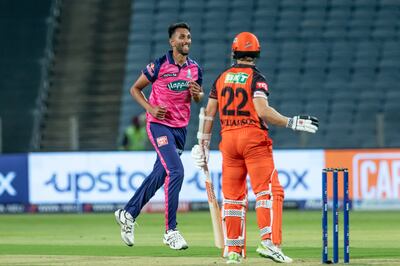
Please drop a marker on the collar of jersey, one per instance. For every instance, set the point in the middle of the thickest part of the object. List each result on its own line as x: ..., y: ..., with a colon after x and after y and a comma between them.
x: 172, y: 61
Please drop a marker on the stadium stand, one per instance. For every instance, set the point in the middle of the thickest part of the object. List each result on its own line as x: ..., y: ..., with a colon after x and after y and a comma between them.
x: 89, y: 61
x: 23, y: 30
x: 338, y: 60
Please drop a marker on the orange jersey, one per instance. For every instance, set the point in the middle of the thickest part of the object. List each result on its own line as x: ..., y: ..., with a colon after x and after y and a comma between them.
x: 235, y: 89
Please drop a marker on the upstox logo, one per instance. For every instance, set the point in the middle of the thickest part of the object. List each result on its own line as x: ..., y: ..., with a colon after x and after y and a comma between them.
x: 103, y: 181
x: 240, y: 77
x: 376, y: 176
x: 6, y: 184
x: 179, y: 85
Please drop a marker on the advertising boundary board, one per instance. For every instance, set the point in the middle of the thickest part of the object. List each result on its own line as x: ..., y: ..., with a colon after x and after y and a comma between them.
x: 98, y: 181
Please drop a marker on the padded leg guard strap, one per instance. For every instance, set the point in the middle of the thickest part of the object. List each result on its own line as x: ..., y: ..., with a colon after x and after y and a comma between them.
x: 234, y: 222
x: 264, y: 212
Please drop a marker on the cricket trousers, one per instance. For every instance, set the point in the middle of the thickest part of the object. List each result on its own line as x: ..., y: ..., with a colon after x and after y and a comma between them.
x: 168, y: 171
x: 249, y: 151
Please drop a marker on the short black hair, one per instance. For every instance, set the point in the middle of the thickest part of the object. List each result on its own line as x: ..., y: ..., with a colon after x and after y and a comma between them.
x: 174, y: 26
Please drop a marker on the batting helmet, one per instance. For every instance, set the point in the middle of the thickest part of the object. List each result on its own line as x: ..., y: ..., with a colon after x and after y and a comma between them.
x: 245, y: 44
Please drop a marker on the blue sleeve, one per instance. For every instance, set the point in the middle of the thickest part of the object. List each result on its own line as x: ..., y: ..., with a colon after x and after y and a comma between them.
x: 199, y: 76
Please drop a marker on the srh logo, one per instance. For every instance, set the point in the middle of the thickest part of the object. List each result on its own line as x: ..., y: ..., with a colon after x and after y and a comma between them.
x: 247, y: 45
x: 376, y: 176
x: 5, y: 184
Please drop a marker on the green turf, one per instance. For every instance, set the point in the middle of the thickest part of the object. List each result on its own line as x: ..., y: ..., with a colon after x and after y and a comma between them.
x: 373, y: 235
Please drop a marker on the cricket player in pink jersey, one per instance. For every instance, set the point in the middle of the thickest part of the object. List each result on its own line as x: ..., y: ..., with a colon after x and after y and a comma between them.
x: 176, y: 80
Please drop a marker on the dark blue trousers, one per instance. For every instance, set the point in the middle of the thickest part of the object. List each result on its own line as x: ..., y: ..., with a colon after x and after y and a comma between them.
x: 168, y: 171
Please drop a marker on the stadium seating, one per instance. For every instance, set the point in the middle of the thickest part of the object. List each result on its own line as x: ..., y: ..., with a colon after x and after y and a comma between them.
x: 23, y: 30
x: 338, y: 60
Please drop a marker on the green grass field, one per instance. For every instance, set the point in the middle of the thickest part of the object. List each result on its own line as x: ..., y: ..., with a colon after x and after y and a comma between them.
x: 93, y: 239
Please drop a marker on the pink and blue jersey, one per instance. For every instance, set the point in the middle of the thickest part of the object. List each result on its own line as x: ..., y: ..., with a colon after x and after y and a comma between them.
x: 170, y: 88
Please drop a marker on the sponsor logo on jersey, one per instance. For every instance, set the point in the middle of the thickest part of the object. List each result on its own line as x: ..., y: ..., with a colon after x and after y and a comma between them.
x: 162, y: 141
x: 150, y: 68
x: 240, y: 77
x: 179, y: 85
x: 168, y: 75
x: 262, y: 86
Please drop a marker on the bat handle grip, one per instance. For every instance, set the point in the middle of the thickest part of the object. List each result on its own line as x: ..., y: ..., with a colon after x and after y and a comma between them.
x: 205, y: 170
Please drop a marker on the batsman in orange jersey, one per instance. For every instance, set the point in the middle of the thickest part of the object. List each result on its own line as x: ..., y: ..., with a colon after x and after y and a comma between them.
x: 240, y: 95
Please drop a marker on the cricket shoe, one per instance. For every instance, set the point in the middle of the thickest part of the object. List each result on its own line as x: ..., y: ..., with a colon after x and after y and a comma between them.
x: 268, y: 250
x: 234, y: 258
x: 125, y: 220
x: 174, y: 240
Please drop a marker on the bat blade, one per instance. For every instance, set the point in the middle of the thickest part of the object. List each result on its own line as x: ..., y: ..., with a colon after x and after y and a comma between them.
x: 215, y: 215
x: 212, y: 200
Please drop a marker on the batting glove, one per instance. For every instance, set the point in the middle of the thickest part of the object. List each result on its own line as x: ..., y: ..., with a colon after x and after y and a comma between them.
x: 303, y: 123
x: 200, y: 155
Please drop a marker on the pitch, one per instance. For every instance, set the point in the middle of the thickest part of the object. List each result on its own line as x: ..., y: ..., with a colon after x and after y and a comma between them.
x: 93, y: 239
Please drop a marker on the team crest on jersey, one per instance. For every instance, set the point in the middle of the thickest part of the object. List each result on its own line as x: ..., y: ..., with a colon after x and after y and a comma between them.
x: 240, y: 77
x: 189, y: 74
x: 162, y: 141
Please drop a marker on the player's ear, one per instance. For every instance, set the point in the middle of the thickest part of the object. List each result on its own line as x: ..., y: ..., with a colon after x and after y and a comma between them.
x: 171, y: 42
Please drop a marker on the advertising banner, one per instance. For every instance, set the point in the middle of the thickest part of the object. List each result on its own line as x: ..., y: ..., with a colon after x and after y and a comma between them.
x: 113, y: 177
x: 87, y: 177
x: 298, y: 172
x: 13, y: 179
x: 374, y: 175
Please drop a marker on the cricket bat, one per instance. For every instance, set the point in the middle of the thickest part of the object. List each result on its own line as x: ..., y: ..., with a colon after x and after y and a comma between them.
x: 212, y: 200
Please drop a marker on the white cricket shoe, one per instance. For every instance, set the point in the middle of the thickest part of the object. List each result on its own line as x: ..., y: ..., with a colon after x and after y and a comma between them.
x: 269, y: 250
x: 174, y: 240
x: 125, y: 220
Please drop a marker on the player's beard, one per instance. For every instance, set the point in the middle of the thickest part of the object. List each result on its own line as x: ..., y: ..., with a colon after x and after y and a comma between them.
x: 181, y: 51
